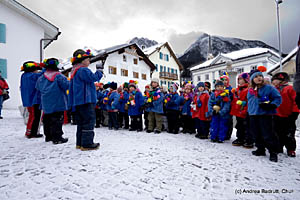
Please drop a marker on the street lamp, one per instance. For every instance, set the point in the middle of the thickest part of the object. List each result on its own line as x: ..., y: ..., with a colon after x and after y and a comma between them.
x: 278, y: 26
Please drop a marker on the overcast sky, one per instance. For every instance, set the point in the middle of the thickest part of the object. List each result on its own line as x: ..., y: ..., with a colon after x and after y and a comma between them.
x: 104, y: 23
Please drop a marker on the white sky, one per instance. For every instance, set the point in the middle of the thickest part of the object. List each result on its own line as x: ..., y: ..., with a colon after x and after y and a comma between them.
x: 101, y: 23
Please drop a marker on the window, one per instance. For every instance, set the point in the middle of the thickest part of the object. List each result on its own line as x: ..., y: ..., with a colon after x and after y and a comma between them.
x: 164, y: 68
x: 175, y: 71
x: 161, y: 83
x: 206, y: 76
x: 168, y: 84
x: 199, y: 78
x: 124, y: 58
x: 135, y: 61
x: 166, y: 57
x: 112, y: 70
x: 253, y: 67
x: 172, y: 71
x: 161, y: 55
x: 240, y: 70
x: 144, y: 76
x: 161, y: 68
x: 168, y: 69
x: 2, y: 33
x: 124, y: 72
x: 135, y: 75
x: 3, y: 67
x: 156, y: 67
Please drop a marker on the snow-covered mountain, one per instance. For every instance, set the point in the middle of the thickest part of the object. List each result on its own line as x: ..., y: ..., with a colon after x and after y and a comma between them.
x: 143, y: 42
x: 197, y: 52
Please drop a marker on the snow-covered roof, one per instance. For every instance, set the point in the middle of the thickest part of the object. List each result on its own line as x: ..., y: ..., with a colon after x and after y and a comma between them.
x: 235, y: 55
x: 284, y: 60
x: 151, y: 49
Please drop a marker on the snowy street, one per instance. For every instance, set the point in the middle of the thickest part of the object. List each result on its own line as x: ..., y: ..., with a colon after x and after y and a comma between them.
x: 131, y: 165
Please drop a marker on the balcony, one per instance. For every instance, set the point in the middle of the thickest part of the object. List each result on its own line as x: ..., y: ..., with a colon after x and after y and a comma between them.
x: 168, y: 75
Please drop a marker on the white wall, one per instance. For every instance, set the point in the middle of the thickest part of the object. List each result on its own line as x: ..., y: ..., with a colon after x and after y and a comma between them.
x: 116, y: 60
x: 22, y: 44
x: 171, y: 64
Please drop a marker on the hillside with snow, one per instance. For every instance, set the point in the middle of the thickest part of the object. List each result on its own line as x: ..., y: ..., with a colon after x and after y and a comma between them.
x: 197, y: 52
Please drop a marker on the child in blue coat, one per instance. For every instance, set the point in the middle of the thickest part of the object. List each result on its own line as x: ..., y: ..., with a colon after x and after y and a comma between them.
x: 154, y: 104
x: 219, y: 108
x: 123, y: 117
x: 263, y: 100
x: 113, y: 106
x: 31, y: 97
x: 53, y: 88
x: 172, y: 101
x: 83, y: 98
x: 135, y: 108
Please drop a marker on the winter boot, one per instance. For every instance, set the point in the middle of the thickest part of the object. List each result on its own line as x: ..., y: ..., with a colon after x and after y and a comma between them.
x: 237, y: 142
x: 157, y: 131
x: 93, y: 146
x: 259, y: 152
x: 248, y: 145
x: 273, y: 157
x: 291, y: 153
x: 60, y: 141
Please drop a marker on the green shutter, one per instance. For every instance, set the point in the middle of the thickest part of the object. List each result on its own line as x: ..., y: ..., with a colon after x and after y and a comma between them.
x: 2, y: 33
x: 3, y: 68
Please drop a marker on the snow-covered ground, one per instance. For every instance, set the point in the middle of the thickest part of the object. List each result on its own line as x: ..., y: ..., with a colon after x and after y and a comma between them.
x: 131, y: 165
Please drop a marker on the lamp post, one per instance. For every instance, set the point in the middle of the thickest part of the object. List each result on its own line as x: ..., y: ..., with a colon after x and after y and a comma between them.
x: 279, y: 35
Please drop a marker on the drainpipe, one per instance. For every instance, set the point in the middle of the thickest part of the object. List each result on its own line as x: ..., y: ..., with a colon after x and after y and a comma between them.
x: 41, y: 44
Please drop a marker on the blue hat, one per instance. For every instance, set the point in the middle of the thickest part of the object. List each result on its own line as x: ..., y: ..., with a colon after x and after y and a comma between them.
x: 255, y: 73
x: 201, y: 84
x: 219, y: 83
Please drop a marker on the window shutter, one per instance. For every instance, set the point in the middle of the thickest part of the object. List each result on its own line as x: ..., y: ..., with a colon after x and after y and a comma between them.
x: 2, y: 33
x: 3, y: 67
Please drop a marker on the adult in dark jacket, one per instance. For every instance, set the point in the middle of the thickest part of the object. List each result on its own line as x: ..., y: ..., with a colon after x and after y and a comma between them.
x: 31, y: 97
x: 53, y: 87
x: 83, y: 98
x: 3, y: 90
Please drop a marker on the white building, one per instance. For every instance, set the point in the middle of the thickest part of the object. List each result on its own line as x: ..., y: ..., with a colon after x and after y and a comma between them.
x: 21, y: 31
x: 123, y: 63
x: 288, y: 64
x: 167, y: 66
x: 241, y: 61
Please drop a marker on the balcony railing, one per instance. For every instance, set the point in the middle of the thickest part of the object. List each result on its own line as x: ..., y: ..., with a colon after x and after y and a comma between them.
x: 168, y: 75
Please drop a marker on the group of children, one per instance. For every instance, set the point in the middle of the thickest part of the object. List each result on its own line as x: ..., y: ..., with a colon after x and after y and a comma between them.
x: 265, y: 114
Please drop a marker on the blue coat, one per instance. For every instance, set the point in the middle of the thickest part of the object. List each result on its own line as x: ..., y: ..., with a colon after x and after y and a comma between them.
x: 82, y: 88
x: 157, y: 105
x: 113, y: 101
x: 124, y: 101
x: 225, y: 106
x: 139, y: 102
x: 267, y: 91
x: 186, y: 108
x: 174, y: 102
x: 30, y: 96
x: 53, y: 92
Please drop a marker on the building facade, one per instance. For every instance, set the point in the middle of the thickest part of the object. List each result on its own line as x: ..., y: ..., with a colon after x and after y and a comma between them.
x: 239, y: 61
x: 167, y: 66
x: 20, y: 33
